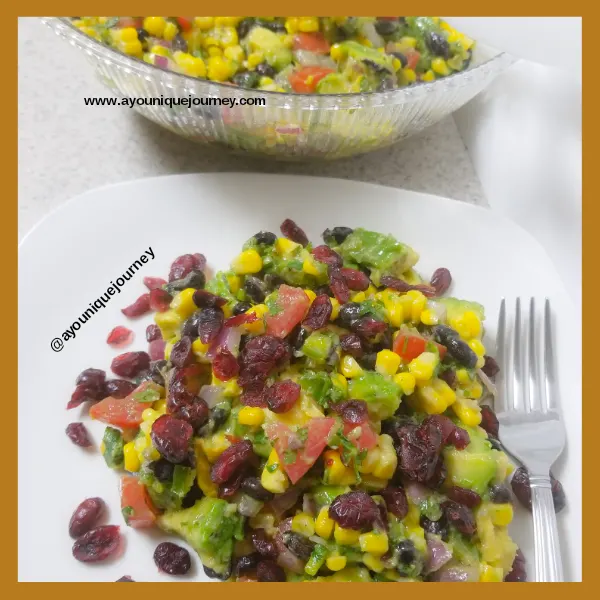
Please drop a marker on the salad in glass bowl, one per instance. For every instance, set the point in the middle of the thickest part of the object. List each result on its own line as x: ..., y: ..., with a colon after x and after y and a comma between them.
x: 314, y: 413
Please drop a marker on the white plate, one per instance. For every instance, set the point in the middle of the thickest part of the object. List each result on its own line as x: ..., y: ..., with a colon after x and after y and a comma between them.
x: 71, y: 257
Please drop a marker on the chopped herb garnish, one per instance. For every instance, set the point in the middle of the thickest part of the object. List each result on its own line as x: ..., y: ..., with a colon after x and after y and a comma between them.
x: 127, y: 512
x: 290, y: 457
x: 272, y: 468
x: 302, y: 433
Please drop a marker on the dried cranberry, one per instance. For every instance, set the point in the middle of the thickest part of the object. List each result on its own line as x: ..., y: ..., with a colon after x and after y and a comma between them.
x: 459, y: 438
x: 249, y: 562
x: 119, y: 337
x: 353, y: 412
x: 291, y: 231
x: 500, y: 494
x: 449, y: 376
x: 368, y: 327
x: 282, y: 395
x: 153, y: 283
x: 140, y: 307
x: 489, y: 421
x: 225, y: 365
x: 254, y: 488
x: 97, y: 544
x: 241, y: 319
x: 230, y: 461
x: 354, y: 510
x: 210, y: 323
x: 83, y: 394
x: 338, y: 285
x: 130, y: 364
x: 460, y: 516
x: 464, y: 496
x: 232, y: 485
x: 328, y: 256
x: 259, y: 356
x: 438, y: 477
x: 153, y: 333
x: 262, y: 544
x: 490, y: 368
x: 125, y: 579
x: 160, y: 300
x: 356, y: 280
x: 195, y: 413
x: 319, y: 313
x: 352, y: 345
x: 396, y: 501
x: 182, y: 265
x: 172, y: 559
x: 118, y: 388
x: 171, y: 437
x: 181, y: 353
x: 401, y: 286
x: 78, y: 434
x: 418, y: 450
x: 91, y: 378
x: 518, y: 572
x: 86, y: 515
x: 269, y: 572
x: 441, y: 280
x: 255, y: 398
x: 522, y: 490
x: 204, y: 299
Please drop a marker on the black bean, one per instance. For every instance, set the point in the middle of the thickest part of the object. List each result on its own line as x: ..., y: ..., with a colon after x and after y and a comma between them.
x: 179, y: 44
x: 255, y: 289
x: 244, y: 26
x: 246, y: 563
x: 298, y: 337
x: 194, y: 279
x: 265, y: 237
x: 162, y: 469
x: 190, y: 325
x: 401, y: 57
x: 253, y: 487
x: 439, y: 527
x: 156, y: 371
x: 214, y: 575
x: 368, y: 361
x: 437, y: 44
x: 349, y: 313
x: 299, y: 545
x: 500, y: 494
x: 241, y: 307
x: 387, y: 84
x: 142, y: 34
x: 264, y: 69
x: 337, y: 234
x: 385, y: 26
x: 246, y: 79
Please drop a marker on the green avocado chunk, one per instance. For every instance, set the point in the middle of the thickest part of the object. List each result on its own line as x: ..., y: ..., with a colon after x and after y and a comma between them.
x: 381, y: 394
x: 113, y: 448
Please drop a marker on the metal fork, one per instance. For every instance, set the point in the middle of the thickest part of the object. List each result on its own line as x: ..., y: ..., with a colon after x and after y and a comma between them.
x: 531, y: 428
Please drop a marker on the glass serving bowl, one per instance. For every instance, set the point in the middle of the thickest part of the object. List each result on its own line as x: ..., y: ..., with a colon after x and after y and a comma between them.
x: 289, y: 126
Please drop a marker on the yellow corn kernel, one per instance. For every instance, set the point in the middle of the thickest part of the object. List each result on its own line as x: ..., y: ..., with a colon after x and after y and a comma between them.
x: 466, y: 42
x: 204, y: 23
x: 370, y: 291
x: 308, y: 24
x: 250, y: 415
x: 387, y: 362
x: 258, y: 326
x: 335, y: 309
x: 273, y: 477
x: 214, y: 51
x: 467, y: 411
x: 418, y: 302
x: 370, y: 461
x: 304, y: 524
x: 170, y: 31
x: 468, y: 325
x: 191, y: 65
x: 127, y: 34
x: 406, y: 381
x: 373, y: 563
x: 346, y: 537
x: 440, y: 66
x: 155, y: 25
x: 502, y: 514
x: 160, y: 406
x: 199, y: 349
x: 477, y: 347
x: 234, y: 53
x: 205, y: 483
x: 358, y: 297
x: 150, y: 415
x: 231, y: 389
x: 133, y: 48
x: 490, y: 574
x: 229, y: 37
x: 183, y: 303
x: 283, y: 245
x: 474, y: 391
x: 336, y: 53
x: 411, y: 42
x: 409, y: 75
x: 324, y: 524
x: 249, y: 261
x: 336, y: 473
x: 131, y: 458
x: 361, y: 39
x: 311, y: 295
x: 339, y: 381
x: 336, y: 563
x: 221, y: 69
x: 428, y: 76
x: 374, y: 543
x: 428, y: 400
x: 160, y: 50
x: 388, y: 459
x: 102, y: 447
x: 423, y: 366
x: 396, y: 64
x: 264, y: 521
x: 349, y: 367
x: 214, y: 445
x: 429, y: 317
x: 463, y: 377
x: 291, y: 24
x: 254, y: 59
x: 169, y: 323
x: 264, y: 81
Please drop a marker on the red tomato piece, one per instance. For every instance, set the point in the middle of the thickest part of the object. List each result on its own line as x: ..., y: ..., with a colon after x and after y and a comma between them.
x: 136, y: 505
x: 366, y: 440
x: 185, y: 23
x: 292, y: 304
x: 305, y: 80
x: 318, y: 434
x: 411, y: 346
x: 412, y: 58
x: 313, y: 42
x: 125, y: 413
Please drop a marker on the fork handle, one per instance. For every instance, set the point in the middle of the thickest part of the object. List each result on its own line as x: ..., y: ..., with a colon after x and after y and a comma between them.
x: 548, y: 564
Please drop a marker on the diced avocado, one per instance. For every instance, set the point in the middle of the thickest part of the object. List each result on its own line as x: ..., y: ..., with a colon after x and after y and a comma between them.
x: 289, y: 266
x: 383, y: 254
x: 210, y: 526
x: 317, y: 346
x: 455, y: 308
x: 334, y: 83
x: 112, y: 448
x: 381, y: 394
x: 363, y: 53
x: 316, y: 560
x: 279, y: 58
x: 321, y: 387
x: 220, y: 286
x: 472, y: 470
x: 463, y: 549
x: 260, y: 443
x: 324, y: 495
x: 169, y: 494
x: 261, y: 38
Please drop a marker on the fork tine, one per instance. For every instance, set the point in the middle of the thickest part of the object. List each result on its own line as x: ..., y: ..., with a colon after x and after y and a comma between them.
x: 515, y: 397
x: 535, y: 401
x: 548, y: 370
x: 500, y: 401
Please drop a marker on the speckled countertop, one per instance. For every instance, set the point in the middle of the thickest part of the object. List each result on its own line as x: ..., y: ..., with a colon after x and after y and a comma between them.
x: 66, y: 148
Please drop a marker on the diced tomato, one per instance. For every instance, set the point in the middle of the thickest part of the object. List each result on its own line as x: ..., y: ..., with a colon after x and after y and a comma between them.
x: 366, y: 440
x: 124, y: 413
x: 305, y: 80
x: 292, y: 304
x: 185, y: 23
x: 410, y: 346
x: 412, y: 58
x: 318, y: 433
x: 135, y: 22
x: 313, y: 42
x: 139, y: 512
x: 234, y: 439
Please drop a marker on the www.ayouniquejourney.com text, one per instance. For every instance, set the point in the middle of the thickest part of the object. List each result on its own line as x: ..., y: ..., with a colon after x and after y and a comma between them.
x: 170, y: 102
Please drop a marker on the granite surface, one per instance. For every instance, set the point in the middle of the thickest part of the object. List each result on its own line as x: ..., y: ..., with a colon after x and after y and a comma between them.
x: 66, y: 148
